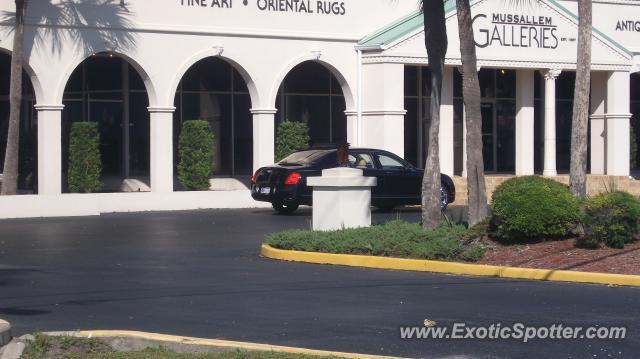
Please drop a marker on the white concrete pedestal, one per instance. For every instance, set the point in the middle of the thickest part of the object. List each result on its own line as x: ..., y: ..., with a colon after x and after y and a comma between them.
x: 341, y: 199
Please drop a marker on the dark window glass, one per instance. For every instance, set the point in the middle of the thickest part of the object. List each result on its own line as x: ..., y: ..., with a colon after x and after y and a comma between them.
x: 308, y: 78
x: 537, y: 84
x: 410, y: 131
x: 505, y: 125
x: 139, y: 145
x: 209, y: 74
x: 238, y: 83
x: 634, y: 84
x: 96, y: 92
x: 103, y: 73
x: 243, y: 134
x: 564, y: 110
x: 565, y: 85
x: 310, y: 93
x: 457, y: 83
x: 458, y: 133
x: 135, y: 81
x: 335, y: 86
x: 338, y: 120
x: 410, y: 80
x: 538, y: 137
x: 506, y: 84
x: 74, y: 84
x: 487, y: 82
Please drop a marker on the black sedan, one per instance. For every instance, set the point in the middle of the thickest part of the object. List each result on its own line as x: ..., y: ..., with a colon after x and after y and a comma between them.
x: 284, y: 184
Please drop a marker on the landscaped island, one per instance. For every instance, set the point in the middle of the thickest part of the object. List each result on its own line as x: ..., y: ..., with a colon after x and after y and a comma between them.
x: 535, y: 223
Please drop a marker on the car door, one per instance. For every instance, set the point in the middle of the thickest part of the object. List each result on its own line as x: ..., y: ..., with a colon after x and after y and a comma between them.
x: 400, y: 181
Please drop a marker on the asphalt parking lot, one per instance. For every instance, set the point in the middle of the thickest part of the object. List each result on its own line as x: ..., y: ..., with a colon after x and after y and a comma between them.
x: 199, y: 273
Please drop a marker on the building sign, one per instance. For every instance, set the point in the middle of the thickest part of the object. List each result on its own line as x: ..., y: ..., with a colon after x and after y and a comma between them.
x: 322, y: 7
x: 515, y: 30
x: 628, y: 25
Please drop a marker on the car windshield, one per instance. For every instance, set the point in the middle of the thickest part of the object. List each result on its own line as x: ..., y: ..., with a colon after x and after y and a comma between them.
x: 302, y: 158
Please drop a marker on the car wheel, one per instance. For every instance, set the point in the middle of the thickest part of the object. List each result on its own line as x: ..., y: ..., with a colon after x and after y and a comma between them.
x: 285, y: 208
x: 444, y: 198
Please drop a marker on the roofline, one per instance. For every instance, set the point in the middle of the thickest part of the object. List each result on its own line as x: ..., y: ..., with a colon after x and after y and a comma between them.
x: 366, y: 42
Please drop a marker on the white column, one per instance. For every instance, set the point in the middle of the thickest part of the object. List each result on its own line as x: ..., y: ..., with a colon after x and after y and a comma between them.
x: 597, y: 119
x: 524, y: 123
x: 618, y: 116
x: 161, y: 155
x: 445, y: 137
x: 49, y: 149
x: 383, y: 102
x: 263, y: 137
x: 550, y: 122
x: 352, y: 128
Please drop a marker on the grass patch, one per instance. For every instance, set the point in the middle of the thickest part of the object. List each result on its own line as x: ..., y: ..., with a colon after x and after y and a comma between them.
x: 65, y: 347
x: 392, y: 239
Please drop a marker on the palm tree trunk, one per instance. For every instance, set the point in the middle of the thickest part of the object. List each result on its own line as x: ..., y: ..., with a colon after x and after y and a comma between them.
x: 10, y: 170
x: 435, y: 38
x: 477, y: 195
x: 579, y: 123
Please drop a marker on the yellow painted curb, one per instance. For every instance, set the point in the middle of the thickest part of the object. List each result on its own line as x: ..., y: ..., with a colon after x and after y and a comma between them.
x: 450, y: 267
x: 221, y: 343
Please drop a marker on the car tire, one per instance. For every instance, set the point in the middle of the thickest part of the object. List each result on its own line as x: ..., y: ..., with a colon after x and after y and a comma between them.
x: 285, y: 208
x: 444, y: 198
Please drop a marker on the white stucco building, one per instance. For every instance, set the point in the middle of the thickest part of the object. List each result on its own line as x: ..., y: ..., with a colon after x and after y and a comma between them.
x: 354, y: 70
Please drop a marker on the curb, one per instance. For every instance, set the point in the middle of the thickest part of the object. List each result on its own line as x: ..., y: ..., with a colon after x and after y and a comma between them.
x: 209, y: 343
x: 450, y: 267
x: 5, y: 332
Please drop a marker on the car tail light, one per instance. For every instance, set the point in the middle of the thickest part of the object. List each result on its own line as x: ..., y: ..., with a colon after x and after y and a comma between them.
x: 253, y: 178
x: 293, y: 178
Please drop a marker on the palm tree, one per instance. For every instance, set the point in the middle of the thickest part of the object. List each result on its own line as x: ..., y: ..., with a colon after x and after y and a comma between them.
x: 10, y: 170
x: 93, y: 12
x: 579, y: 124
x: 478, y: 208
x: 435, y: 38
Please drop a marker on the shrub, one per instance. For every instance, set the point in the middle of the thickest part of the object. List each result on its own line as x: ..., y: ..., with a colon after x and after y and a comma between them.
x: 291, y: 137
x: 611, y: 219
x: 85, y: 164
x: 533, y: 208
x: 392, y: 239
x: 195, y: 150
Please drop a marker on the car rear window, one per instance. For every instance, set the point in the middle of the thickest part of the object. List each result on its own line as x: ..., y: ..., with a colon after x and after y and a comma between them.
x: 303, y: 158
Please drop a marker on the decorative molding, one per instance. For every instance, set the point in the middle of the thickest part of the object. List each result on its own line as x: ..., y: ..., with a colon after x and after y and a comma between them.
x: 263, y: 111
x: 316, y: 54
x: 48, y: 107
x: 218, y: 50
x: 617, y: 116
x: 159, y: 109
x: 194, y: 30
x: 383, y: 112
x: 551, y: 74
x: 492, y: 63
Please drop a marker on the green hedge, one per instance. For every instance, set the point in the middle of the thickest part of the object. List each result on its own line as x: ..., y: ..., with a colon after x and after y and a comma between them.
x: 195, y: 151
x: 85, y: 164
x: 533, y: 208
x: 291, y: 137
x: 392, y: 239
x: 612, y: 219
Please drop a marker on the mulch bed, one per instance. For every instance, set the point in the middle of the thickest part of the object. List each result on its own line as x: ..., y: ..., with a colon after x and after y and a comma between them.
x: 563, y: 255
